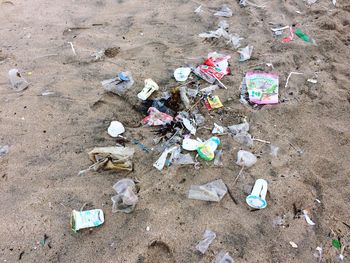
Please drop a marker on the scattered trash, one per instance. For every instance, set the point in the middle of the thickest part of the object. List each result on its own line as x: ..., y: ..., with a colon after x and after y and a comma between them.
x: 86, y: 219
x: 111, y: 158
x: 142, y: 146
x: 240, y: 133
x: 319, y: 253
x: 290, y: 74
x: 159, y: 164
x: 213, y: 102
x: 262, y: 87
x: 190, y: 144
x: 224, y: 11
x: 245, y: 159
x: 304, y: 36
x: 245, y: 53
x: 18, y: 83
x: 126, y: 199
x: 156, y: 118
x: 290, y: 37
x: 218, y: 158
x: 150, y: 87
x: 334, y: 2
x: 307, y: 218
x: 115, y: 129
x: 218, y: 129
x: 72, y: 47
x: 313, y: 81
x: 207, y: 150
x: 120, y: 84
x: 207, y: 239
x: 47, y: 93
x: 183, y: 159
x: 214, y: 68
x: 183, y: 95
x: 336, y: 243
x: 4, y: 150
x: 223, y: 257
x: 213, y: 191
x: 181, y: 74
x: 256, y: 199
x: 274, y: 150
x: 198, y: 9
x: 232, y: 39
x: 293, y: 244
x: 310, y: 2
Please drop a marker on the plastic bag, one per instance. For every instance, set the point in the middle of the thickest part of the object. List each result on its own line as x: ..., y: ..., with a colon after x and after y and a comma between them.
x: 120, y: 84
x: 239, y: 128
x: 246, y: 159
x: 126, y: 199
x: 218, y: 158
x: 244, y: 138
x: 18, y: 83
x: 184, y: 98
x: 232, y: 39
x: 224, y: 11
x: 223, y: 257
x: 207, y: 239
x: 112, y: 158
x: 213, y: 191
x: 4, y: 150
x: 245, y: 53
x: 156, y: 118
x: 184, y: 159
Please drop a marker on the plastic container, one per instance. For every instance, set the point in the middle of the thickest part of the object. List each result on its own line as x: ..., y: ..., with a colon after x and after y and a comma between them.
x: 207, y: 150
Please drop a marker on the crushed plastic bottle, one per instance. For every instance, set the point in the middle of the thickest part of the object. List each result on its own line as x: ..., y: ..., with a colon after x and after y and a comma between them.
x: 213, y: 191
x: 246, y: 159
x: 126, y: 199
x: 18, y: 83
x: 207, y: 150
x: 120, y: 84
x: 207, y: 239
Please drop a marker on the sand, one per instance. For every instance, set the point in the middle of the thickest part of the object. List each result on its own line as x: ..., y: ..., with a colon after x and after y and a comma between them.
x: 49, y: 136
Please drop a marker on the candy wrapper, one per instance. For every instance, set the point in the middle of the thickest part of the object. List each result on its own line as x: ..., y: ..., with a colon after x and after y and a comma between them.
x: 262, y: 87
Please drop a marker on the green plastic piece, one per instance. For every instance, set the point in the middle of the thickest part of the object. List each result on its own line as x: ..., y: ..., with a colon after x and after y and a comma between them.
x: 336, y: 243
x: 302, y: 35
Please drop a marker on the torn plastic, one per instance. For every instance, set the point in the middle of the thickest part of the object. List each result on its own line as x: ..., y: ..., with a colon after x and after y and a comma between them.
x: 207, y: 239
x: 240, y: 133
x: 111, y: 158
x: 184, y: 98
x: 274, y: 150
x: 5, y: 150
x: 86, y: 219
x: 18, y: 83
x: 245, y: 53
x: 218, y: 158
x: 159, y: 164
x: 183, y: 159
x: 209, y: 89
x: 120, y: 84
x: 244, y: 138
x: 224, y: 11
x: 239, y: 128
x: 157, y: 118
x: 232, y: 39
x: 223, y: 257
x: 245, y: 158
x: 199, y: 118
x: 150, y: 87
x: 126, y: 198
x: 223, y: 24
x: 307, y: 218
x: 218, y: 129
x: 115, y: 129
x: 213, y: 191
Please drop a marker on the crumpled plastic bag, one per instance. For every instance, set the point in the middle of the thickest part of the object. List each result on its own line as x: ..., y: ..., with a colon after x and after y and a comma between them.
x: 208, y: 238
x: 120, y: 84
x: 223, y: 257
x: 112, y: 158
x: 224, y: 11
x: 126, y: 198
x: 245, y: 53
x: 245, y: 158
x: 232, y: 39
x: 240, y: 133
x: 213, y: 191
x: 18, y: 83
x: 157, y: 118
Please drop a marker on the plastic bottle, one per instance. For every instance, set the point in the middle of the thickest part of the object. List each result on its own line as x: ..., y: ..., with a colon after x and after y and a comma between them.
x: 207, y: 149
